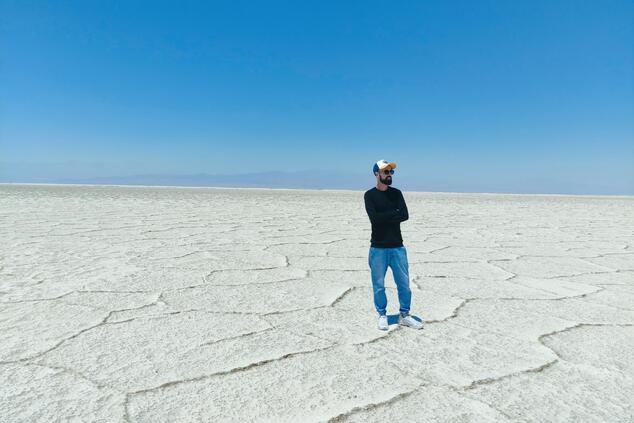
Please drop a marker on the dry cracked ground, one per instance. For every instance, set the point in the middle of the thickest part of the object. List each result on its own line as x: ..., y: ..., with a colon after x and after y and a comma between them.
x: 129, y: 304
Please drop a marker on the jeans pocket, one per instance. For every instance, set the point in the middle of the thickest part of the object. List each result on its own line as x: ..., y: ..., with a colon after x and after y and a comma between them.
x: 402, y: 257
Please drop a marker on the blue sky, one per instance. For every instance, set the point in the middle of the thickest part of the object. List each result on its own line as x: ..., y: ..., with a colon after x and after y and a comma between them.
x: 526, y: 96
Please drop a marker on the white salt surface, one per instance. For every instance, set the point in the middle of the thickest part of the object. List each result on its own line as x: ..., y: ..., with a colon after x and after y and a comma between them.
x: 132, y: 304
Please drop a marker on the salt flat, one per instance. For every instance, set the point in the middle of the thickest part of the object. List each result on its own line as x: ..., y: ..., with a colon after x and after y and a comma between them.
x: 135, y: 304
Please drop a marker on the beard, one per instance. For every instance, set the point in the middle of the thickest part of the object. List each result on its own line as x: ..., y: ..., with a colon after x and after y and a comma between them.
x: 387, y: 180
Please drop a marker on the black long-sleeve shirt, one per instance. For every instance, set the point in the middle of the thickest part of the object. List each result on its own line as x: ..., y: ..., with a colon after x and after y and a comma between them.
x: 386, y: 210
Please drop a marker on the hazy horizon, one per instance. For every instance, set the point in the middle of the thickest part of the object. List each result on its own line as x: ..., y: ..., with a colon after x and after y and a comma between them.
x: 301, y: 180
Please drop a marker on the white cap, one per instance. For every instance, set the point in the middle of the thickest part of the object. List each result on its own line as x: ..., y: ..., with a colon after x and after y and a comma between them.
x: 383, y: 164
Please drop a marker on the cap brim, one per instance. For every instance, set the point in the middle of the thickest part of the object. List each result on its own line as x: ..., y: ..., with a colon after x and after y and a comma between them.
x: 389, y: 166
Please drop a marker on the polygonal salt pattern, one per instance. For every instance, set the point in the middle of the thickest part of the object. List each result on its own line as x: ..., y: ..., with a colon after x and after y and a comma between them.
x: 138, y: 304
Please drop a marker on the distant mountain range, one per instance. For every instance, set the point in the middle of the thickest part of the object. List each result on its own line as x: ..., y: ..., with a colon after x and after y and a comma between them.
x: 328, y: 179
x: 309, y: 179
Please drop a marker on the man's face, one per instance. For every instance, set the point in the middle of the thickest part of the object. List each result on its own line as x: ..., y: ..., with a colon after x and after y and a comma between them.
x: 385, y: 176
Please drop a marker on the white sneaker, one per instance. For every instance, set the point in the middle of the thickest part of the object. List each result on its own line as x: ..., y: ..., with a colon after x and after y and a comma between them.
x: 409, y: 321
x: 383, y: 323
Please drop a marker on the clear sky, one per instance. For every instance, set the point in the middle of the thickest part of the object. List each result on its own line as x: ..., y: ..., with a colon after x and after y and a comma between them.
x: 519, y: 96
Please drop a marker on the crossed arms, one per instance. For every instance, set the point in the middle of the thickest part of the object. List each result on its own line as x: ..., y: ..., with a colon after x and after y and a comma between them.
x: 400, y: 214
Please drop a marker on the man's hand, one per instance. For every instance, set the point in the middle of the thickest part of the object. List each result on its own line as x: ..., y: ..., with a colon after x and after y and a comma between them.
x: 401, y: 215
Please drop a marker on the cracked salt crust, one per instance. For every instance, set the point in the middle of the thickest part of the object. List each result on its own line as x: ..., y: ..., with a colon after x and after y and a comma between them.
x: 590, y: 381
x: 151, y: 304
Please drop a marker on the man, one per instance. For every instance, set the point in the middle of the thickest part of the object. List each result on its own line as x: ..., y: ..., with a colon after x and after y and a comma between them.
x: 387, y: 209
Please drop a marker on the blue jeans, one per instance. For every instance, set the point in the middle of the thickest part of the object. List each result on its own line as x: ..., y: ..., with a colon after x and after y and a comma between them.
x: 396, y: 258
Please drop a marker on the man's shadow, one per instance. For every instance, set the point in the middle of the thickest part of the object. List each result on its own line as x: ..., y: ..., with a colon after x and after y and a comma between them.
x: 392, y: 319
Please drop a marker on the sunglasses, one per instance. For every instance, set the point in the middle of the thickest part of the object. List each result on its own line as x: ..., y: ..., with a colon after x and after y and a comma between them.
x: 388, y: 172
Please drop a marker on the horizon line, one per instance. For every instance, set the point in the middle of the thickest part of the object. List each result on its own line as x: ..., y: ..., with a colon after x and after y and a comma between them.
x: 311, y: 189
